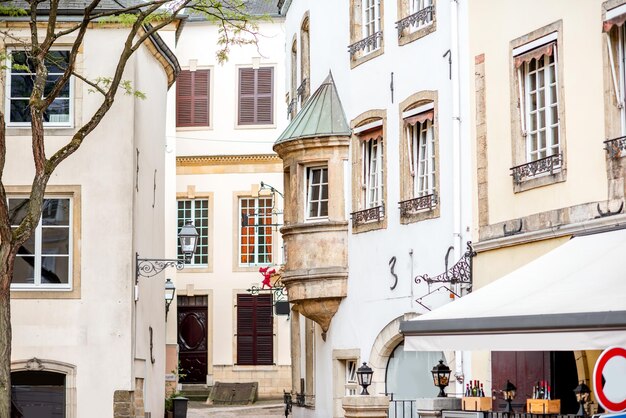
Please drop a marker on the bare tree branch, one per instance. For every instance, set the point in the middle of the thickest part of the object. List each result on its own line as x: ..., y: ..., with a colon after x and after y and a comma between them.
x: 90, y: 83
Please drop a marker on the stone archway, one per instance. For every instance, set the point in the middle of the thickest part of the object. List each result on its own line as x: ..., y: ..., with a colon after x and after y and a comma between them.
x: 384, y: 344
x: 35, y: 364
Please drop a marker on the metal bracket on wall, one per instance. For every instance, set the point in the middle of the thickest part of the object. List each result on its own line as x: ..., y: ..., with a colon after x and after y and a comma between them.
x: 461, y: 272
x: 608, y: 211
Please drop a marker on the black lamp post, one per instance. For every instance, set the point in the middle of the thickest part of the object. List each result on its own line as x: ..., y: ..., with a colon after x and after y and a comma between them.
x: 170, y: 289
x: 582, y: 393
x: 364, y: 376
x: 441, y: 377
x: 509, y: 392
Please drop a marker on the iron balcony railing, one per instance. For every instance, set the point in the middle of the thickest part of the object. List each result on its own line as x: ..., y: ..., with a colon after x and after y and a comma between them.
x: 370, y: 43
x: 291, y: 107
x: 418, y: 204
x: 615, y: 146
x: 547, y: 165
x: 302, y: 88
x: 417, y: 19
x: 402, y: 409
x: 361, y: 217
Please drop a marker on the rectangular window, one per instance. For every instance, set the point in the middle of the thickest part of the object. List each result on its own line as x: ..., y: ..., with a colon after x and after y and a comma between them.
x: 537, y: 69
x: 255, y: 237
x: 256, y: 96
x: 373, y: 171
x: 371, y: 21
x: 192, y: 98
x: 317, y: 192
x: 351, y: 381
x: 44, y: 261
x: 196, y: 211
x: 21, y: 78
x: 422, y: 157
x: 541, y: 107
x: 255, y: 330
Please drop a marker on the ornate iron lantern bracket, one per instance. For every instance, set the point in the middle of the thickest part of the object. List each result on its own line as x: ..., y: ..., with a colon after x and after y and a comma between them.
x: 149, y: 267
x: 460, y: 272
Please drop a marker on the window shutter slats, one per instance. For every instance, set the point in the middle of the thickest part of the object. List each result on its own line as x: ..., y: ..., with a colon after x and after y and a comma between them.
x: 255, y: 338
x: 192, y: 98
x: 256, y: 91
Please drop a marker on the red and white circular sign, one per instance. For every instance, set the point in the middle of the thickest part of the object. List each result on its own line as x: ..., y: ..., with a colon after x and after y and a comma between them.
x: 609, y: 379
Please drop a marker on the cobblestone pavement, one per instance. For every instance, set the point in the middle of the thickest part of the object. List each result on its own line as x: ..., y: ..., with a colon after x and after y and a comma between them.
x: 264, y: 409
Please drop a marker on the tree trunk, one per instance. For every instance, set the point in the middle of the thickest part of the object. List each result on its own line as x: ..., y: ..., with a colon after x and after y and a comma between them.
x: 6, y: 272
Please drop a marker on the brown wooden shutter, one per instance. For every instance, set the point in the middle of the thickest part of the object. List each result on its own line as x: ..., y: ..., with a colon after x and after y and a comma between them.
x: 256, y: 96
x: 192, y: 98
x: 255, y: 330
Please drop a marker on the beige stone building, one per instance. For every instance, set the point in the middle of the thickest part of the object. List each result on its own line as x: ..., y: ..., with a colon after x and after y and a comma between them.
x: 88, y: 335
x: 230, y: 183
x: 547, y: 97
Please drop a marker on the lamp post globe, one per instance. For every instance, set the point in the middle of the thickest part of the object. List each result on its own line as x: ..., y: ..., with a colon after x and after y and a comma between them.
x: 170, y: 290
x: 582, y: 393
x: 441, y: 377
x: 188, y: 237
x: 364, y: 376
x: 509, y: 392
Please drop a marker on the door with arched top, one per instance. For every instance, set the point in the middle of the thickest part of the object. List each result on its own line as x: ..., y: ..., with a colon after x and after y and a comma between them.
x: 37, y: 394
x: 192, y: 338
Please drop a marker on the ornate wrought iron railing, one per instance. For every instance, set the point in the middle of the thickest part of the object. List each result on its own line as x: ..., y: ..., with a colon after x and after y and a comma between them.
x: 419, y: 18
x: 361, y: 217
x: 427, y: 202
x: 490, y: 414
x: 615, y: 146
x: 370, y: 43
x: 547, y: 165
x: 302, y: 88
x: 291, y: 107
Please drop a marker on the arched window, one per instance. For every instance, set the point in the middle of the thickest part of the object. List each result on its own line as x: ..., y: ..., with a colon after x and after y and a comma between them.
x: 305, y: 62
x: 408, y: 374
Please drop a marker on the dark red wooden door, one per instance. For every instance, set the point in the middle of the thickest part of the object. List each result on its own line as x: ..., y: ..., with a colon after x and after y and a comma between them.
x: 192, y: 338
x: 524, y: 369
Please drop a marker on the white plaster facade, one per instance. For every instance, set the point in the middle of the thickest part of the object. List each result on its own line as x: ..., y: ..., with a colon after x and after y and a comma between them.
x: 221, y: 163
x: 97, y: 333
x: 365, y: 328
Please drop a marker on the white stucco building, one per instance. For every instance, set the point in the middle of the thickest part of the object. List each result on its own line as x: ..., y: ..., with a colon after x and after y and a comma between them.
x: 394, y: 186
x: 88, y: 340
x: 229, y: 182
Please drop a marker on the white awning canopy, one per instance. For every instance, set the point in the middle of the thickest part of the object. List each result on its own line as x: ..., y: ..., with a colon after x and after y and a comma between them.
x: 572, y: 298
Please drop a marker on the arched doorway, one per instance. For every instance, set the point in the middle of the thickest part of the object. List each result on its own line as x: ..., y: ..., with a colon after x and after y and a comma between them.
x: 408, y: 375
x: 38, y: 394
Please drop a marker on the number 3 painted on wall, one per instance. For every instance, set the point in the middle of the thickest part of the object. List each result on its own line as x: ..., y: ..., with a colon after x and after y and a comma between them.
x: 392, y: 265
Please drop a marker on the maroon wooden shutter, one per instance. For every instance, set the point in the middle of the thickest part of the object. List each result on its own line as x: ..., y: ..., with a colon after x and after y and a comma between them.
x: 256, y: 96
x: 255, y: 330
x: 192, y: 98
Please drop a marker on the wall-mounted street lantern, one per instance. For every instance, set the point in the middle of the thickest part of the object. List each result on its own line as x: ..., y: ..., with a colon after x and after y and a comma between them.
x: 148, y: 267
x: 441, y: 377
x: 170, y: 289
x: 508, y: 393
x: 582, y: 393
x: 364, y: 377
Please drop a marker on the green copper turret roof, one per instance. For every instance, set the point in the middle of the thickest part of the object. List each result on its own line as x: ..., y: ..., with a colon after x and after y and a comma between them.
x: 322, y: 115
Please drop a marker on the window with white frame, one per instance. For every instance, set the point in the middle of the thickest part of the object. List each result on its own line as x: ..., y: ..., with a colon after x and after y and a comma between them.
x: 373, y: 171
x: 317, y: 192
x: 44, y: 261
x: 421, y: 149
x: 20, y: 81
x: 351, y: 380
x: 539, y: 102
x: 255, y: 236
x: 615, y: 34
x: 196, y: 211
x: 371, y: 21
